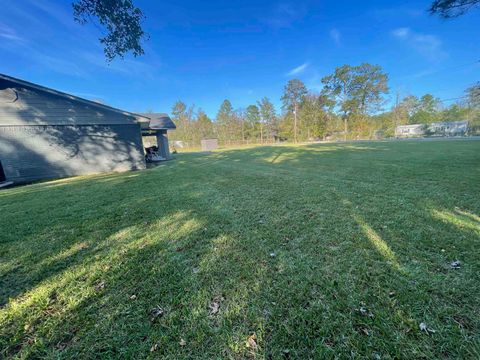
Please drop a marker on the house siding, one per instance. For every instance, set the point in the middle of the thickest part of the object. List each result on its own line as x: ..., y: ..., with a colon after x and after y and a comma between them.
x: 30, y: 153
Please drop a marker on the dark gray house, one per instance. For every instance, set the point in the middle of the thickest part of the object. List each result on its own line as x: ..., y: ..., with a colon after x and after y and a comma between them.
x: 46, y: 133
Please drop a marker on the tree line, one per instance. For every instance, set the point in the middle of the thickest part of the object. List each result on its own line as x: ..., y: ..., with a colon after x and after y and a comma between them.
x: 351, y: 105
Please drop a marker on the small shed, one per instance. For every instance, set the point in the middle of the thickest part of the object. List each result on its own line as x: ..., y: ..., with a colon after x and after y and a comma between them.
x: 209, y: 144
x: 157, y: 125
x: 45, y: 133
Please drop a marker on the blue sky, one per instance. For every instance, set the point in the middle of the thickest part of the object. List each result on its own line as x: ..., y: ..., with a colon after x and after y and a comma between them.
x: 205, y: 51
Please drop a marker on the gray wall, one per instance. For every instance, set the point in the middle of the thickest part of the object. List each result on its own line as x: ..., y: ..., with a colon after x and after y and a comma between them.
x: 31, y: 153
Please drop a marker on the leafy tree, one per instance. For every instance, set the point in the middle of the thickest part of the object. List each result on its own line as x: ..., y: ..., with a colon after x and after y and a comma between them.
x: 183, y: 118
x: 293, y: 95
x: 122, y: 21
x: 225, y: 112
x: 239, y: 124
x: 472, y: 104
x: 341, y: 86
x: 401, y: 112
x: 426, y: 111
x: 473, y: 96
x: 204, y: 125
x: 452, y: 8
x: 410, y: 105
x: 314, y: 113
x: 429, y: 103
x: 225, y: 119
x: 383, y: 125
x: 357, y: 90
x: 371, y: 83
x: 252, y: 117
x: 179, y: 110
x: 454, y: 112
x: 268, y: 116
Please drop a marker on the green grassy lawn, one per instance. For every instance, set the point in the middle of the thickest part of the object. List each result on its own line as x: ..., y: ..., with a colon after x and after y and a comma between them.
x: 314, y: 251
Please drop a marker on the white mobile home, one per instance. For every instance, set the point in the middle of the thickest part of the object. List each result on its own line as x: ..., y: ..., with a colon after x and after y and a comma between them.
x: 445, y: 128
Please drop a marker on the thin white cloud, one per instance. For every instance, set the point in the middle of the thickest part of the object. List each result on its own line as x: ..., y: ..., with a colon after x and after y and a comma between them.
x: 394, y: 13
x: 284, y: 15
x: 336, y: 36
x: 54, y: 11
x: 10, y: 34
x: 401, y: 33
x: 429, y: 46
x: 298, y: 70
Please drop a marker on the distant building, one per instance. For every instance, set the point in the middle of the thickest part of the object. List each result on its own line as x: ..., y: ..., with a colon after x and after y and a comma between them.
x: 449, y: 128
x: 446, y: 128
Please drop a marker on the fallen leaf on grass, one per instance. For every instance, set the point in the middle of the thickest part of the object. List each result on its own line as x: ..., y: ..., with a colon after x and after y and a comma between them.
x: 425, y: 328
x: 252, y: 342
x: 362, y: 329
x: 100, y: 286
x: 365, y: 312
x: 456, y: 264
x: 329, y: 342
x: 155, y: 313
x: 61, y: 346
x: 215, y: 305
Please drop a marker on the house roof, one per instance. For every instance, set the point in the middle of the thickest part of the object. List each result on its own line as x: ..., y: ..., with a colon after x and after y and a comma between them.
x: 158, y: 121
x: 451, y: 123
x: 67, y: 96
